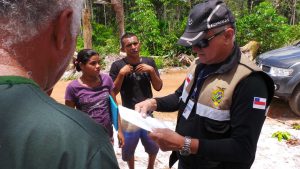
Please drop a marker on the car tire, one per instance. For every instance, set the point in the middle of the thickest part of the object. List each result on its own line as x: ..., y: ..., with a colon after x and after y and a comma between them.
x: 294, y: 101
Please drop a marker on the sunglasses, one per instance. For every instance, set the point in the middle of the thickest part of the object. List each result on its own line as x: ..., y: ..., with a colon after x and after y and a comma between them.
x: 205, y: 42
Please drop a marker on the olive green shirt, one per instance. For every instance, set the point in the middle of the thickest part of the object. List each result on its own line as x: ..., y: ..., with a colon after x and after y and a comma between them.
x: 36, y: 132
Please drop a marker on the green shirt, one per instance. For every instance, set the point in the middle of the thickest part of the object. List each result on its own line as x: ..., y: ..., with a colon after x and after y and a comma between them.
x: 36, y: 132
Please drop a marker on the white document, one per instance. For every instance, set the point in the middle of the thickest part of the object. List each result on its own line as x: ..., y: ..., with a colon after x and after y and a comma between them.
x: 136, y: 118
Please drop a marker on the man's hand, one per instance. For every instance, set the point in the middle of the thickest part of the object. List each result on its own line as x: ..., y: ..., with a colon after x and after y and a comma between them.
x: 126, y: 70
x: 121, y: 139
x: 146, y: 106
x: 167, y: 139
x: 155, y: 79
x: 144, y: 68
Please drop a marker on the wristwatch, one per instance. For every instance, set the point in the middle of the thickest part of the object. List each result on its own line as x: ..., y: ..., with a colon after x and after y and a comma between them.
x: 186, y: 149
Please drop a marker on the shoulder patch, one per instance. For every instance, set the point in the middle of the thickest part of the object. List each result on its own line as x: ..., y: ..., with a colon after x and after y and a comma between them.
x: 259, y: 103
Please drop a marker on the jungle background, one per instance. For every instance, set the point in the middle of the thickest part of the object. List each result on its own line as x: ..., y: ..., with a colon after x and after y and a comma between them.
x: 159, y: 24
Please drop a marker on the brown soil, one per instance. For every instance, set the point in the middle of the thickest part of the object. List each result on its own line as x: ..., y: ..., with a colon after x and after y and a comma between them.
x: 281, y: 111
x: 172, y: 79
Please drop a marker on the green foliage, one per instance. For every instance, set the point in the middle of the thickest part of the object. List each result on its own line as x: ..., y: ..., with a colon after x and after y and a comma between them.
x: 166, y: 61
x: 80, y: 43
x: 296, y: 126
x: 159, y: 61
x: 157, y: 34
x: 175, y: 2
x: 282, y: 135
x: 159, y: 24
x: 265, y: 26
x: 285, y: 7
x: 144, y: 23
x: 104, y: 39
x: 294, y: 33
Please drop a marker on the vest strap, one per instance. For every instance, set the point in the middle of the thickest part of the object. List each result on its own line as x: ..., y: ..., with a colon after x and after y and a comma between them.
x: 212, y: 113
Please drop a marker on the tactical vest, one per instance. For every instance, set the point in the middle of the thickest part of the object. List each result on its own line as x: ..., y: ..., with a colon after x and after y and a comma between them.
x: 215, y: 97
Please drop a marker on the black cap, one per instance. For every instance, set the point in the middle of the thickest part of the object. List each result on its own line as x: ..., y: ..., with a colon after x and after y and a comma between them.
x: 205, y: 16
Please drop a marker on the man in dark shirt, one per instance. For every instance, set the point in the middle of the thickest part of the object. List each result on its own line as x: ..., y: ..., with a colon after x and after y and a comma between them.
x: 133, y: 76
x: 223, y: 101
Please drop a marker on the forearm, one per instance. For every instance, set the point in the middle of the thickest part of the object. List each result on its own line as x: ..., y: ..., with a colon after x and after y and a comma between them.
x: 119, y: 123
x: 156, y: 81
x: 118, y: 83
x: 70, y: 103
x: 168, y: 103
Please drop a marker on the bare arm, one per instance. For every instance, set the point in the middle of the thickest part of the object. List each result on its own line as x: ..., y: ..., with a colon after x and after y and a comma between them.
x: 156, y: 81
x: 70, y: 103
x: 119, y: 80
x: 169, y: 140
x: 120, y: 131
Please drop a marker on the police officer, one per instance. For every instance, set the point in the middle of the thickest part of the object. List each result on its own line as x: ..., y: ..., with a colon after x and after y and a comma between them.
x: 223, y: 101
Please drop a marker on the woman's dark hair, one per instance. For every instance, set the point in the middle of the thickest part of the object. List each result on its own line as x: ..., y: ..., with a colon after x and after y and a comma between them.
x: 83, y: 57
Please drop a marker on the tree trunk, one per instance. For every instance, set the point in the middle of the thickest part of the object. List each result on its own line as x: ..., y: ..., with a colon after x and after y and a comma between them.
x: 119, y: 10
x: 293, y: 17
x: 87, y: 27
x: 249, y: 5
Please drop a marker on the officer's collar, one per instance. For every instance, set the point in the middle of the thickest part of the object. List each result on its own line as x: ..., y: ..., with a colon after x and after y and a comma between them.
x: 231, y: 61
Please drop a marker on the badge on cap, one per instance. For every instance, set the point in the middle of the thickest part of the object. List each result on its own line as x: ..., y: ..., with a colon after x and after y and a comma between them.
x: 259, y: 103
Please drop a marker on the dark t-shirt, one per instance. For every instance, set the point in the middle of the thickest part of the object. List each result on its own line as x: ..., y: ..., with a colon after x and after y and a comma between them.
x: 136, y: 87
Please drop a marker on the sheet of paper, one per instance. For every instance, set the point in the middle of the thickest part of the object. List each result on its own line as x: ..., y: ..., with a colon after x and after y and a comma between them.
x: 136, y: 118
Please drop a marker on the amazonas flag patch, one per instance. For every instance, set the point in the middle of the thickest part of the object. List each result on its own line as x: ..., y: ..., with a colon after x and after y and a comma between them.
x: 259, y: 103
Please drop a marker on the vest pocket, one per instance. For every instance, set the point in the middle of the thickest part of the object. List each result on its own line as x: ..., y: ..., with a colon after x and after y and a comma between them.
x: 217, y: 128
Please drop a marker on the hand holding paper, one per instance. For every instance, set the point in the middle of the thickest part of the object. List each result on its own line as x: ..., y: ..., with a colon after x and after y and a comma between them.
x: 136, y: 118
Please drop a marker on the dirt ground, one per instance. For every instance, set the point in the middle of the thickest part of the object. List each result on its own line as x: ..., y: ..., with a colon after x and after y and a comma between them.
x: 172, y: 79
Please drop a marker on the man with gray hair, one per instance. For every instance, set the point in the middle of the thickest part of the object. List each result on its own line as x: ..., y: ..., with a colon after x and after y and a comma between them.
x: 37, y: 40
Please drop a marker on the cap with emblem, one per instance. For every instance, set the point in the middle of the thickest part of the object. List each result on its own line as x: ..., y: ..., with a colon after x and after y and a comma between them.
x: 205, y: 16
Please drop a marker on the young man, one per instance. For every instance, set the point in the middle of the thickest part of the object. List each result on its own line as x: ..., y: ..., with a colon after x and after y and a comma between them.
x: 223, y: 101
x: 37, y: 40
x: 133, y: 76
